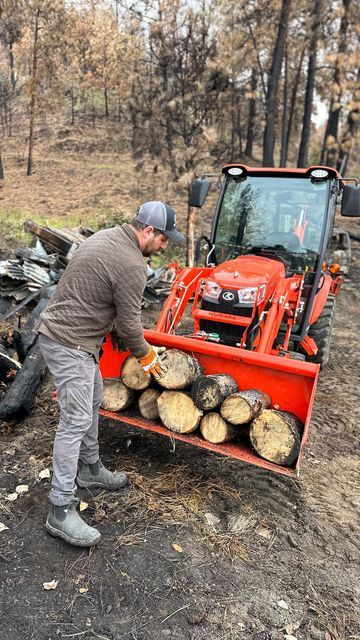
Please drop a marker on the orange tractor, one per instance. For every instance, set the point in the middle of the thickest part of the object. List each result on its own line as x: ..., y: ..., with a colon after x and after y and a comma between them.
x: 262, y: 305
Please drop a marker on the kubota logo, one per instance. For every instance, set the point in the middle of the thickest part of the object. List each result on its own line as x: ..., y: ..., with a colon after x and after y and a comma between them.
x: 228, y: 296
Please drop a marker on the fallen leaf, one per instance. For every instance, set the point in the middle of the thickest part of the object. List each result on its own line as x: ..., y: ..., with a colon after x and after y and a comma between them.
x: 291, y: 627
x: 50, y: 585
x: 83, y: 590
x: 45, y: 473
x: 22, y: 488
x: 11, y: 496
x: 83, y: 505
x: 177, y: 548
x: 282, y: 604
x: 3, y: 527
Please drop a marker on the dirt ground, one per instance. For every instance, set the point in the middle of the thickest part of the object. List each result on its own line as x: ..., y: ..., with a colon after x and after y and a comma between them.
x: 257, y: 556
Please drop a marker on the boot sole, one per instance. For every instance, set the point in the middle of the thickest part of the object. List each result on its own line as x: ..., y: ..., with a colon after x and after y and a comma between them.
x: 56, y: 533
x: 97, y: 485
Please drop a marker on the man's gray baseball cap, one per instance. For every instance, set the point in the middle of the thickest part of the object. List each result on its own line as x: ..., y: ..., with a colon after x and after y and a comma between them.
x: 160, y: 216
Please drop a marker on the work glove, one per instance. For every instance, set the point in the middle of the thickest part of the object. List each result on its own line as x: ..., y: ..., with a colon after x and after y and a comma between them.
x: 154, y: 362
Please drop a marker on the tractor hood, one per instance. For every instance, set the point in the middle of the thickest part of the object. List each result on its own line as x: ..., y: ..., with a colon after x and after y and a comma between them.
x: 248, y: 271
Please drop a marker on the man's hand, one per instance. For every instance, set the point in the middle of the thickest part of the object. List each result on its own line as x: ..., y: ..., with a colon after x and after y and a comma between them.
x: 154, y: 362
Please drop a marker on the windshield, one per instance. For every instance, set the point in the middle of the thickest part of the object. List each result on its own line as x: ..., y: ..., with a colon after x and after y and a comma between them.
x: 277, y: 215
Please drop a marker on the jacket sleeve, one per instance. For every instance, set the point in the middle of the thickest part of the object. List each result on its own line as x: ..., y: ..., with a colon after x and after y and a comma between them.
x: 128, y: 292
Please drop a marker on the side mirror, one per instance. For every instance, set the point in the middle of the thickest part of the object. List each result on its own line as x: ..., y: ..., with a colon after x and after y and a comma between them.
x: 350, y: 203
x: 198, y: 192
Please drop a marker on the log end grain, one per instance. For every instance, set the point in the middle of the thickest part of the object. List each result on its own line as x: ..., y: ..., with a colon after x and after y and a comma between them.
x: 133, y: 375
x: 276, y: 436
x: 148, y: 404
x: 215, y: 429
x: 178, y: 412
x: 242, y: 407
x: 116, y: 396
x: 209, y: 391
x: 182, y: 370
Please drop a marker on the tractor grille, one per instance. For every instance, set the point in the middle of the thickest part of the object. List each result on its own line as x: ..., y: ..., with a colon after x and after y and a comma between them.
x: 229, y: 333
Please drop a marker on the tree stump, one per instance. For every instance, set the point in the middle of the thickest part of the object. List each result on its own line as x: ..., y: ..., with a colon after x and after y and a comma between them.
x: 215, y: 429
x: 208, y: 392
x: 244, y: 406
x: 182, y: 370
x: 148, y: 404
x: 133, y: 375
x: 276, y: 436
x: 116, y: 396
x: 178, y: 412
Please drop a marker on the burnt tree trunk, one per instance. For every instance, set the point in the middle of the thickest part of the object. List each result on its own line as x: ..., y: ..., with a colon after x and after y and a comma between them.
x: 276, y: 436
x: 215, y: 429
x: 310, y: 85
x: 244, y: 406
x: 18, y: 401
x: 272, y: 88
x: 33, y: 93
x: 208, y: 392
x: 251, y: 115
x: 178, y: 412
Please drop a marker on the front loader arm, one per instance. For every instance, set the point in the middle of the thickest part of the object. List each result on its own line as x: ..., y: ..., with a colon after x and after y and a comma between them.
x: 284, y: 304
x: 182, y: 290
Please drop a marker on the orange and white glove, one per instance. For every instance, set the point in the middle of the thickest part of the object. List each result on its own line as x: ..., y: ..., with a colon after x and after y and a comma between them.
x: 153, y: 363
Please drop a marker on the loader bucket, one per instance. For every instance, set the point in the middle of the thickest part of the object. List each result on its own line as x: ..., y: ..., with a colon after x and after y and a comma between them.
x: 290, y: 383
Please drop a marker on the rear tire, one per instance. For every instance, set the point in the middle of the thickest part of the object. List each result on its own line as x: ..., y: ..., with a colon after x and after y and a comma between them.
x: 320, y: 332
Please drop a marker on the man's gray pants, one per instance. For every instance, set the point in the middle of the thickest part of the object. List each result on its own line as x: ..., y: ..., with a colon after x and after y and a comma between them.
x: 80, y: 388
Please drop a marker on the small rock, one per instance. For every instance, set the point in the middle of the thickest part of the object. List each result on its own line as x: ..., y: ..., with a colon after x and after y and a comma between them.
x: 108, y: 608
x: 282, y: 604
x: 211, y: 519
x: 21, y: 489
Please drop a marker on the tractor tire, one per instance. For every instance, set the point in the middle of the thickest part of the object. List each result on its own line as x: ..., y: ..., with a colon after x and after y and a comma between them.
x: 320, y: 331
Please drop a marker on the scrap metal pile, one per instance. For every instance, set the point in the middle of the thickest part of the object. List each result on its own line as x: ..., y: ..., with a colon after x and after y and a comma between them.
x: 27, y: 282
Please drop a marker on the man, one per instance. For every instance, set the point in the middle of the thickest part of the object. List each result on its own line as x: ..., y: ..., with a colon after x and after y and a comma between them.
x: 102, y: 285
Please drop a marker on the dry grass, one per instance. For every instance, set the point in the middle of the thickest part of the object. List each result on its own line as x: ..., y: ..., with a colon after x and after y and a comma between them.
x: 175, y: 497
x: 336, y: 626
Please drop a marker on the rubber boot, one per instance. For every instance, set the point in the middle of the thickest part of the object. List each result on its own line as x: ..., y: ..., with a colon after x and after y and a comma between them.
x: 93, y: 476
x: 66, y: 523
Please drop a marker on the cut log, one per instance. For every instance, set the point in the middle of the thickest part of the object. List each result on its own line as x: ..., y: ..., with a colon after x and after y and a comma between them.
x: 19, y: 398
x: 215, y: 429
x: 208, y: 392
x: 182, y: 370
x: 116, y: 396
x: 276, y: 436
x: 133, y: 375
x: 148, y: 404
x: 178, y: 412
x: 244, y: 406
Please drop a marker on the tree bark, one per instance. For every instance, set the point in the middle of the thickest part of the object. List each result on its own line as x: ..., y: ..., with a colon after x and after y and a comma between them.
x: 276, y: 436
x: 272, y: 88
x: 182, y: 370
x: 133, y: 375
x: 208, y: 392
x: 117, y: 396
x: 148, y: 404
x: 292, y: 106
x: 244, y: 406
x: 33, y: 93
x: 2, y: 176
x: 178, y: 412
x: 251, y: 116
x: 310, y: 85
x: 215, y: 429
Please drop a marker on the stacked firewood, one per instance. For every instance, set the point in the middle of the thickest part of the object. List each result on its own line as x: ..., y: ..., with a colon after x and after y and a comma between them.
x: 186, y: 400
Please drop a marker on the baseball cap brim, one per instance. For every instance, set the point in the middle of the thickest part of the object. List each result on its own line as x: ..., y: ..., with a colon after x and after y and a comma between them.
x: 173, y: 235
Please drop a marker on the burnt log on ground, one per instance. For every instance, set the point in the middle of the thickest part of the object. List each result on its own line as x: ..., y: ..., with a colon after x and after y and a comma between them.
x: 148, y: 404
x: 28, y: 333
x: 8, y: 368
x: 19, y: 399
x: 209, y: 391
x: 133, y: 375
x: 244, y: 406
x: 116, y: 396
x: 182, y: 370
x: 178, y: 412
x: 276, y: 436
x: 215, y: 429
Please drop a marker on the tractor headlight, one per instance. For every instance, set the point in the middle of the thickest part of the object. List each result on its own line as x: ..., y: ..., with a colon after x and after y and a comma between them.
x: 250, y: 295
x: 212, y: 290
